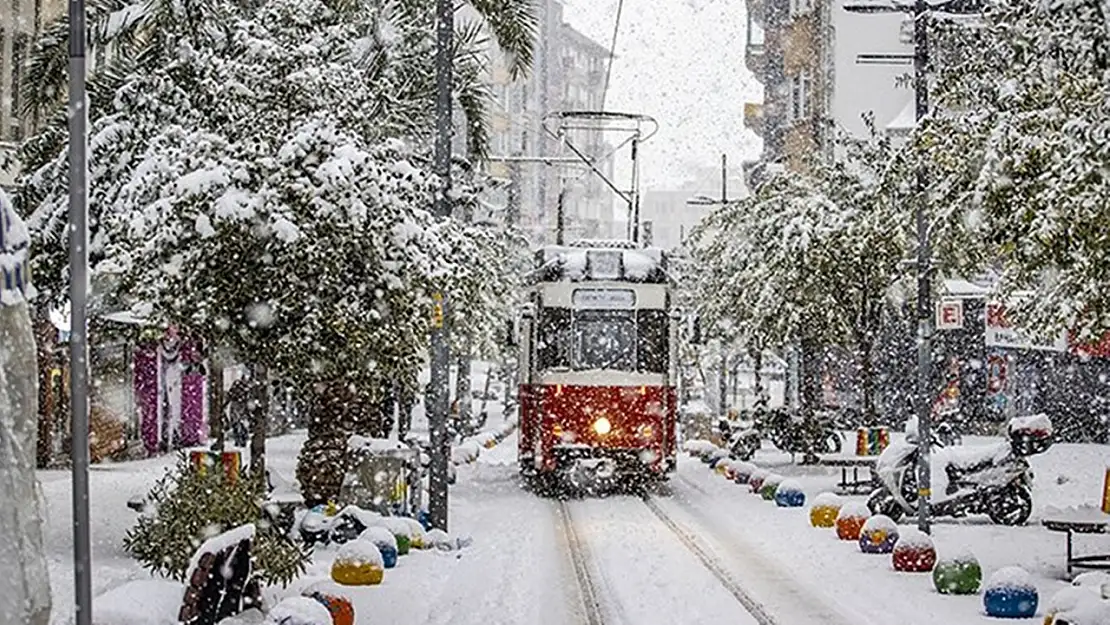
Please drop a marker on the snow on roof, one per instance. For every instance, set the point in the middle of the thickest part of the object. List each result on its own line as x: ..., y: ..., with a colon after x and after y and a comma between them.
x: 604, y: 262
x: 1035, y: 423
x: 957, y: 287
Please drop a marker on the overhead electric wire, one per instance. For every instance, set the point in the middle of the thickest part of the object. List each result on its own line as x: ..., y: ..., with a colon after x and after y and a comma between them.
x: 612, y: 52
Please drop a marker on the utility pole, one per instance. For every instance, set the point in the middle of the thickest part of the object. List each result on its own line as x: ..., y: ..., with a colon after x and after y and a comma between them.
x: 78, y: 316
x: 561, y: 217
x: 441, y: 370
x: 921, y: 11
x: 924, y: 288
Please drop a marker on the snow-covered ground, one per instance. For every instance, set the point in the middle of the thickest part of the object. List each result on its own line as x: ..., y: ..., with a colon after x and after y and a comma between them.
x: 520, y: 567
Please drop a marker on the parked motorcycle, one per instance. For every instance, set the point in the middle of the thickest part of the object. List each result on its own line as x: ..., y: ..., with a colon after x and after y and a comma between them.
x: 743, y: 441
x: 995, y: 479
x: 794, y: 435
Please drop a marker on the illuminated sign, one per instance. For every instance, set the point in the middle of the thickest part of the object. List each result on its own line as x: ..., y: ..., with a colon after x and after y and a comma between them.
x: 604, y: 298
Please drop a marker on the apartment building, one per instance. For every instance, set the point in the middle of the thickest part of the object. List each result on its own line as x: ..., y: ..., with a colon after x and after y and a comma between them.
x: 568, y: 75
x: 20, y: 23
x: 821, y: 63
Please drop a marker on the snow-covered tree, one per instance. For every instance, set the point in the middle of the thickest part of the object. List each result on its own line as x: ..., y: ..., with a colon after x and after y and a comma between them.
x: 263, y: 181
x: 1022, y: 148
x: 809, y: 257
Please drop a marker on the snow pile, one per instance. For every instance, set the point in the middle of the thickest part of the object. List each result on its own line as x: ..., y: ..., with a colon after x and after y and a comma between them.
x: 964, y: 556
x: 1011, y: 578
x: 438, y: 538
x: 773, y: 480
x: 1079, y: 605
x: 1097, y: 580
x: 380, y: 536
x: 1080, y: 514
x: 141, y: 602
x: 879, y: 523
x: 1039, y: 423
x: 360, y: 553
x: 300, y: 611
x: 397, y: 525
x: 829, y: 499
x: 856, y: 510
x: 909, y: 537
x: 373, y: 445
x: 218, y: 543
x: 789, y: 486
x: 15, y: 247
x: 698, y: 446
x: 466, y: 452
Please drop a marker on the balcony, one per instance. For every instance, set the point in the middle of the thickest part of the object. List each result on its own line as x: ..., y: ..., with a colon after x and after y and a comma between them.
x: 754, y: 50
x: 753, y: 117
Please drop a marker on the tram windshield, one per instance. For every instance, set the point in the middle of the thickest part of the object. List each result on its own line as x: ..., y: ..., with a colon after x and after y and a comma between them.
x: 623, y: 340
x: 604, y: 339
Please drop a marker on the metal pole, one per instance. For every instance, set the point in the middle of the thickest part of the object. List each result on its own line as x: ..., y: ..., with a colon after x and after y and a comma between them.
x: 724, y: 179
x: 724, y: 353
x: 440, y: 374
x: 633, y: 201
x: 78, y: 316
x: 924, y: 292
x: 561, y: 217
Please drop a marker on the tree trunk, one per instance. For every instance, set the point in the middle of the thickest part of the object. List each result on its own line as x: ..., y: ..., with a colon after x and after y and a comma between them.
x: 462, y: 385
x: 867, y: 381
x: 760, y: 394
x: 215, y: 400
x: 259, y: 412
x: 810, y: 395
x: 45, y: 335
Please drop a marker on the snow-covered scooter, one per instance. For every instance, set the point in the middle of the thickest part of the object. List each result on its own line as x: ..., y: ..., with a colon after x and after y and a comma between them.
x: 990, y: 479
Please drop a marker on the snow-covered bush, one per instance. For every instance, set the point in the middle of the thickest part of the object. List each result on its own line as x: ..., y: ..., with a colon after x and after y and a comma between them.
x: 187, y: 508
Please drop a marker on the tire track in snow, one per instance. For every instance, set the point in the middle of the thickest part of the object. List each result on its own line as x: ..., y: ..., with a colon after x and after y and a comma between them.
x: 756, y: 609
x: 579, y: 560
x: 767, y: 578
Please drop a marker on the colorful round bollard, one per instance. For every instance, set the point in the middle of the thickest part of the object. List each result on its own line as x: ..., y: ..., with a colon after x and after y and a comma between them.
x: 770, y: 485
x: 299, y: 611
x: 416, y: 533
x: 789, y: 494
x: 850, y: 520
x: 1010, y: 593
x: 743, y: 472
x: 914, y: 552
x: 755, y: 481
x: 386, y: 542
x: 359, y: 563
x: 342, y: 612
x: 878, y: 535
x: 824, y: 510
x: 401, y: 532
x: 958, y: 574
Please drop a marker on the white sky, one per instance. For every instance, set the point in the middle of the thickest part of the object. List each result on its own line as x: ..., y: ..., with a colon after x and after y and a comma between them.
x: 682, y: 62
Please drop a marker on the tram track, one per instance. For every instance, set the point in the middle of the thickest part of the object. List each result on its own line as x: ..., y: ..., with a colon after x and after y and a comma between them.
x: 587, y: 589
x: 711, y: 563
x: 589, y: 574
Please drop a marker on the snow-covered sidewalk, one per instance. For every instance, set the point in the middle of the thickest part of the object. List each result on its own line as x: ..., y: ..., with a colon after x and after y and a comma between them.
x: 864, y: 588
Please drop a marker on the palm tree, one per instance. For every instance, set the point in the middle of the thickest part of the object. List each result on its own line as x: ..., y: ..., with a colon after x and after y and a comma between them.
x: 129, y: 36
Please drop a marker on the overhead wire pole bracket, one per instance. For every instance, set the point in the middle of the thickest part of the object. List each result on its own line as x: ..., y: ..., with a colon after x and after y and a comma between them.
x: 639, y: 127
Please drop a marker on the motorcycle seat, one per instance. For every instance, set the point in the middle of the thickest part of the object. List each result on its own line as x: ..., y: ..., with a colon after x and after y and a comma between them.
x: 971, y: 460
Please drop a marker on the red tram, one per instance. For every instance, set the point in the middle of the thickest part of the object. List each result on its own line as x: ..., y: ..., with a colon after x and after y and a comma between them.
x: 597, y: 362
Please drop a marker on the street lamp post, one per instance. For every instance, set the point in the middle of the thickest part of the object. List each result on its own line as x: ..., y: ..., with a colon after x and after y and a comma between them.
x: 701, y: 200
x: 440, y: 369
x: 920, y: 10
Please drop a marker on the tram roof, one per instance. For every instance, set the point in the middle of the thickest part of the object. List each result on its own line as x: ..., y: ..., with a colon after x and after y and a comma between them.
x: 603, y: 260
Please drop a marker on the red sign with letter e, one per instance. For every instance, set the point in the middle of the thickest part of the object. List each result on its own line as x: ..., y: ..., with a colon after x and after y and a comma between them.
x: 950, y: 315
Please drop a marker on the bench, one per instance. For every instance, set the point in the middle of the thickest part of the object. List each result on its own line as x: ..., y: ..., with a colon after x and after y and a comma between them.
x: 1081, y: 524
x: 855, y: 485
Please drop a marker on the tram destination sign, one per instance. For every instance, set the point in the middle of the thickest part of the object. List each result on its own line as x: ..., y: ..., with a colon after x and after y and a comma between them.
x: 604, y: 298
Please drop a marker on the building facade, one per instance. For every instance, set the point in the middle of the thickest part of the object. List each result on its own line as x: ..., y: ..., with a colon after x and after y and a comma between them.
x: 568, y: 75
x: 21, y: 21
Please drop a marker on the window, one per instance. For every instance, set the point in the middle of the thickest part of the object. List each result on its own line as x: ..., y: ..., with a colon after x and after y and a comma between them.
x: 553, y: 338
x: 800, y: 7
x: 800, y: 85
x: 653, y: 350
x: 605, y: 339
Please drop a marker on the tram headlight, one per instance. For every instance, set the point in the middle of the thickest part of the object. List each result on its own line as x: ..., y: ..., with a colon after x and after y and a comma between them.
x: 602, y: 426
x: 646, y: 431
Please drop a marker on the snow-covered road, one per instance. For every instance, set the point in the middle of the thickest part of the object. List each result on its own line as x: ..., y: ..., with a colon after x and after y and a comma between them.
x: 700, y: 549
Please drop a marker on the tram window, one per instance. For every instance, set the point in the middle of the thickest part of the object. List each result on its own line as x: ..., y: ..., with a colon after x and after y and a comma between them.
x: 654, y: 348
x: 552, y: 348
x: 604, y: 339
